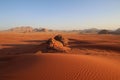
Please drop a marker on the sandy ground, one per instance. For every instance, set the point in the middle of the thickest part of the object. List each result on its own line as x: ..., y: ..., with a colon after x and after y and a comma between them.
x: 93, y: 57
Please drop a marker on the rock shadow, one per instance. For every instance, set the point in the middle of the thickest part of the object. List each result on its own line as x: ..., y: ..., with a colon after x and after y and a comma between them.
x: 80, y: 44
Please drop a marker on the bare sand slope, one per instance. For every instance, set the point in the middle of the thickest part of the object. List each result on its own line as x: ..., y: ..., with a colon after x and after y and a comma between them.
x: 58, y: 67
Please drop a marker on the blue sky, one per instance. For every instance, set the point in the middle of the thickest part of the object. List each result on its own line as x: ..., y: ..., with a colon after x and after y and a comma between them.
x: 60, y: 14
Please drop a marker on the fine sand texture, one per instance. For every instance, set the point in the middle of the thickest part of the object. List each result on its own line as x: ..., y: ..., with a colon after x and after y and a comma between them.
x: 24, y: 56
x: 58, y: 67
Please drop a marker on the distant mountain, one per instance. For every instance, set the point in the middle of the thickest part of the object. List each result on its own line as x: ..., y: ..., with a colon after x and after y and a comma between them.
x: 26, y: 29
x: 21, y: 29
x: 117, y: 31
x: 41, y: 30
x: 104, y: 31
x: 92, y: 30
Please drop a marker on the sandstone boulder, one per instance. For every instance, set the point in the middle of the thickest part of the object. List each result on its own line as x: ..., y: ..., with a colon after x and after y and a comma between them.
x: 61, y: 39
x: 56, y: 45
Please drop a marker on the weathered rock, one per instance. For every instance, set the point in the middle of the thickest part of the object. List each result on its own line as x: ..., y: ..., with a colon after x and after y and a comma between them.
x: 62, y: 39
x: 44, y: 30
x: 56, y: 45
x: 24, y: 29
x: 104, y: 32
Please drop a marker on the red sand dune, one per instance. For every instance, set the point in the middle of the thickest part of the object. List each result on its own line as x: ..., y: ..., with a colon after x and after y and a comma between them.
x: 19, y: 59
x: 58, y: 67
x: 30, y: 43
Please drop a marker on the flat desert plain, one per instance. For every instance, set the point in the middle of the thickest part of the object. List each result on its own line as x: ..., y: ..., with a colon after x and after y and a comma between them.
x: 23, y: 56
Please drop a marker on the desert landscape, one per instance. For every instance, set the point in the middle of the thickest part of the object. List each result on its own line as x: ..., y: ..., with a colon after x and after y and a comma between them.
x: 25, y: 56
x: 59, y: 39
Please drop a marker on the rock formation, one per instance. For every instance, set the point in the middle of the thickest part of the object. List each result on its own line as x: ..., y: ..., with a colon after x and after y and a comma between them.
x: 57, y: 43
x: 104, y: 32
x: 61, y: 39
x: 22, y: 29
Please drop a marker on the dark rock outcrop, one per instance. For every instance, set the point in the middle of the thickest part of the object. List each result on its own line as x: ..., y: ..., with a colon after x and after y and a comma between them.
x: 57, y: 44
x: 104, y: 32
x: 61, y: 39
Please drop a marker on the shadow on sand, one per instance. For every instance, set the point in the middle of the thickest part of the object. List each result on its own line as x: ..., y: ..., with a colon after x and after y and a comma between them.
x: 74, y: 43
x: 40, y: 45
x: 24, y: 48
x: 37, y: 41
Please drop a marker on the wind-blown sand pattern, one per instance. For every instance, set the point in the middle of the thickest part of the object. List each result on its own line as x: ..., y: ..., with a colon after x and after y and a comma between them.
x: 59, y: 67
x: 93, y: 57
